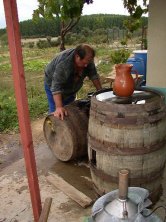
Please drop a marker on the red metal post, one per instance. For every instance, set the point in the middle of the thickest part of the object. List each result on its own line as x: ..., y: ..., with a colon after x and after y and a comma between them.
x: 14, y: 40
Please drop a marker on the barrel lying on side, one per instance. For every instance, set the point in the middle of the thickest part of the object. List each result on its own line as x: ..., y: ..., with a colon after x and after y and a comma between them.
x: 128, y: 136
x: 68, y: 138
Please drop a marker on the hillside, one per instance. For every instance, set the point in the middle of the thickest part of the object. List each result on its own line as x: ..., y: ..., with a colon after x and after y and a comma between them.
x: 44, y: 27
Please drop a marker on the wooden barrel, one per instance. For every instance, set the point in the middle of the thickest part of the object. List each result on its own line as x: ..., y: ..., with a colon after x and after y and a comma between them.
x: 127, y: 134
x: 68, y: 138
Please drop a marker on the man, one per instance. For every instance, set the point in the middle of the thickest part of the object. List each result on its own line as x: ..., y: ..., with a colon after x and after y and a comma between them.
x: 64, y: 77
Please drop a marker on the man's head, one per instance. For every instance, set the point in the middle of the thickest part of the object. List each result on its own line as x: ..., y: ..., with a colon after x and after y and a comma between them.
x: 84, y: 54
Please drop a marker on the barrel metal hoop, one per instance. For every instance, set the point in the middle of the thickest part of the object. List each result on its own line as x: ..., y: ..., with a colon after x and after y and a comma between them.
x: 155, y: 194
x: 132, y: 181
x: 122, y: 119
x: 157, y: 104
x: 112, y: 148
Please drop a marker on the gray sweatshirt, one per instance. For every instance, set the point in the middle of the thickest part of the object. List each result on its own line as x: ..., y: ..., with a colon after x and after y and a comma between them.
x: 59, y: 74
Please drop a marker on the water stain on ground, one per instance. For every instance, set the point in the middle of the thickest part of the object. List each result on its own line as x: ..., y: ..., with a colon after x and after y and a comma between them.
x: 10, y: 150
x: 77, y: 174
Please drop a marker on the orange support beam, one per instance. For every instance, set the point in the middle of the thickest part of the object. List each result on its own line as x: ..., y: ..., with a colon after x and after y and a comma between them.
x: 14, y: 40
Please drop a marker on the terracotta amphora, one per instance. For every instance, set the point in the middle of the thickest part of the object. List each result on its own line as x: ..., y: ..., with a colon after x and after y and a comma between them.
x: 124, y: 83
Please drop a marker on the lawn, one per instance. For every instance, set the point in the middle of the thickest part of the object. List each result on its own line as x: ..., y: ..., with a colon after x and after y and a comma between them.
x: 34, y: 62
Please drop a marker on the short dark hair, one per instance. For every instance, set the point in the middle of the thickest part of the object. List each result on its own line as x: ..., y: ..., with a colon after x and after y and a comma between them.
x: 83, y: 50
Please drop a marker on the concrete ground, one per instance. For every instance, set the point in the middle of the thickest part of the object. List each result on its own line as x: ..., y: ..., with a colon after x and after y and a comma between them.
x: 14, y: 193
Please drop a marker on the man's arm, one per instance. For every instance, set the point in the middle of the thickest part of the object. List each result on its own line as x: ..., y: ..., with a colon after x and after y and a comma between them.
x: 97, y: 84
x: 60, y: 111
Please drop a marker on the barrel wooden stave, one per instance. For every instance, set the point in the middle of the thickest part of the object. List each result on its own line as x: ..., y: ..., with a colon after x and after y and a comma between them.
x: 141, y: 165
x: 67, y: 138
x: 131, y: 136
x: 127, y: 137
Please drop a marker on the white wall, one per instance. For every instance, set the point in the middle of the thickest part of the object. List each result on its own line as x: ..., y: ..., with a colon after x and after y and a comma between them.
x: 156, y: 61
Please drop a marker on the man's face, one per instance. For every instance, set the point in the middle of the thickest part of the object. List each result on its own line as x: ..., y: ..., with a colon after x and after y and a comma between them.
x: 82, y: 63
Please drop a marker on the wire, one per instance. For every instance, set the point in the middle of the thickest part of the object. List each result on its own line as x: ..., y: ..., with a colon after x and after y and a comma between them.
x: 155, y: 210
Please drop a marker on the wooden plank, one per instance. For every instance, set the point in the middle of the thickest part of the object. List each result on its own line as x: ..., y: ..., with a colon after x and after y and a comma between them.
x: 46, y: 209
x: 69, y: 190
x: 16, y: 58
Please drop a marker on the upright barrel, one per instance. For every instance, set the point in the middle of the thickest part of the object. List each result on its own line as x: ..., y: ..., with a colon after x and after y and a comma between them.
x: 67, y: 138
x: 141, y: 54
x: 127, y: 134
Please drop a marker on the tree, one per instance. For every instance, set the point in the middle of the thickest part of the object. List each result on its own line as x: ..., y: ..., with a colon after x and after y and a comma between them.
x: 69, y: 13
x: 136, y: 10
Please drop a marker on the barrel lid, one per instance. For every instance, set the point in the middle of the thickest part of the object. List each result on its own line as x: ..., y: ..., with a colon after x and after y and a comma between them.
x: 140, y: 96
x: 105, y: 95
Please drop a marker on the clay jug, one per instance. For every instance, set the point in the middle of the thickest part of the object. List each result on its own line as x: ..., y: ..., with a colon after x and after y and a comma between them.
x: 124, y: 83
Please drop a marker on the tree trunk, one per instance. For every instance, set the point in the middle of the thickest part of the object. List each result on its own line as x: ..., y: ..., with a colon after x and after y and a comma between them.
x: 65, y: 30
x: 62, y: 43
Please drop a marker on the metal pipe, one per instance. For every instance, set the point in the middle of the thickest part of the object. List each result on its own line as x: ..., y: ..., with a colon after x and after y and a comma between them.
x: 123, y: 184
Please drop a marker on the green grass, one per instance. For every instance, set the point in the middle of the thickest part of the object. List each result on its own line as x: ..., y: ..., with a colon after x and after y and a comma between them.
x: 34, y: 63
x: 103, y: 51
x: 8, y: 113
x: 4, y: 58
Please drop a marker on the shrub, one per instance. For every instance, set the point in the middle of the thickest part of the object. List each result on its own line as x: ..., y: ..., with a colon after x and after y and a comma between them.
x: 100, y: 32
x: 4, y: 39
x: 41, y: 44
x: 71, y: 38
x: 98, y: 39
x: 31, y: 45
x: 123, y: 42
x: 120, y: 56
x: 144, y: 43
x: 86, y: 32
x: 37, y: 103
x: 55, y: 43
x: 8, y: 113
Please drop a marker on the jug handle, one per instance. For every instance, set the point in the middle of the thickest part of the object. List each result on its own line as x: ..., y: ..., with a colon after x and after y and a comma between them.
x: 136, y: 73
x: 137, y: 80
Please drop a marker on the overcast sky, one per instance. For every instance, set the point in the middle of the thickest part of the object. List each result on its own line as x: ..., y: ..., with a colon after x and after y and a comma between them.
x: 26, y: 7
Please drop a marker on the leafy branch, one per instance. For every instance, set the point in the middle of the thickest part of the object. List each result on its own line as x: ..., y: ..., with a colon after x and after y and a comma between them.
x: 69, y: 13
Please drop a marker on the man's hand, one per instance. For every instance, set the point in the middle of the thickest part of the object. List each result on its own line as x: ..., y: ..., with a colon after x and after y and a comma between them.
x: 60, y: 112
x: 97, y: 84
